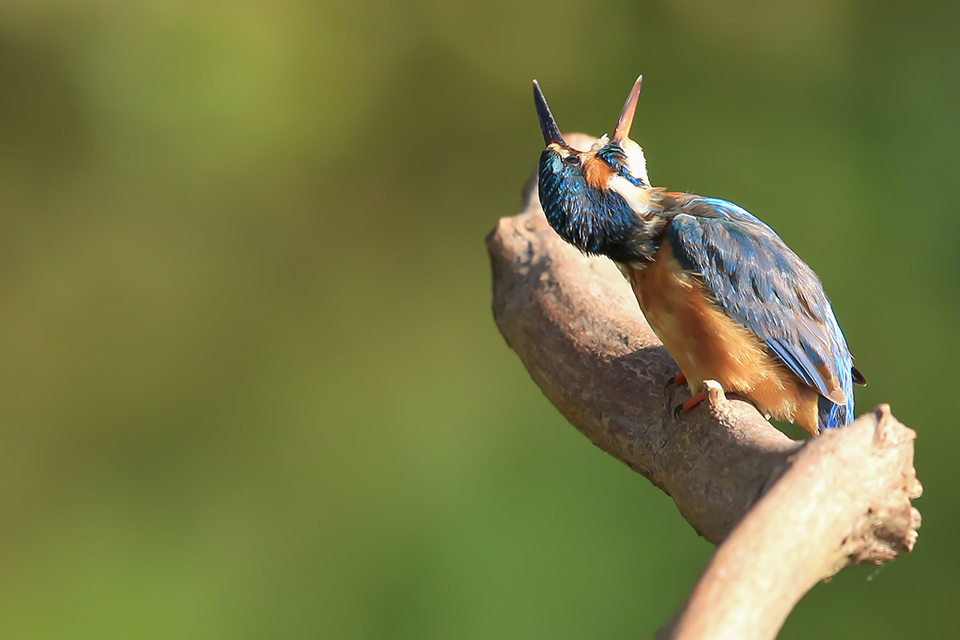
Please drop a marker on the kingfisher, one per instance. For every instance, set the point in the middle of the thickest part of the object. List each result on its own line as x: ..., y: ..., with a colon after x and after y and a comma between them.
x: 726, y: 296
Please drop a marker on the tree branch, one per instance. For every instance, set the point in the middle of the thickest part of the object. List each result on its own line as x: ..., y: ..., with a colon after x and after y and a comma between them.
x: 789, y: 514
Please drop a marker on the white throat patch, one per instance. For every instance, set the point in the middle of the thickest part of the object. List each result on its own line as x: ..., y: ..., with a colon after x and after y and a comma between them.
x: 637, y: 198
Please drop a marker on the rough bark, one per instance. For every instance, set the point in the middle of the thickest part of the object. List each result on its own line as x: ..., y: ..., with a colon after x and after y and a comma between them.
x: 788, y: 513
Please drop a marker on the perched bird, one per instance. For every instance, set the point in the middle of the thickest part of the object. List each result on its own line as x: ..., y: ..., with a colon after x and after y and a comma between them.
x: 728, y: 299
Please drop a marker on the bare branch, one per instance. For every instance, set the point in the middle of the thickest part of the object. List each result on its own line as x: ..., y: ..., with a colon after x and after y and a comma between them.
x: 814, y: 507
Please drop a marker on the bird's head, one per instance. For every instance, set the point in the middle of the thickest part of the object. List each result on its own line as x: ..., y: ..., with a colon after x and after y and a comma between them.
x: 599, y: 200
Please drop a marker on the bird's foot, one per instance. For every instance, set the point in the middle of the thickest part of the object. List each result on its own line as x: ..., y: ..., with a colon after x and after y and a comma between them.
x: 697, y: 398
x: 676, y: 381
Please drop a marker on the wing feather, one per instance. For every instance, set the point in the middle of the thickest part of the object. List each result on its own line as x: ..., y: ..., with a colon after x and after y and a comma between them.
x: 761, y: 284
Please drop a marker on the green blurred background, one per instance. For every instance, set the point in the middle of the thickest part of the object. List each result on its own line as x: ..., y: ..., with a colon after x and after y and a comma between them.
x: 251, y: 386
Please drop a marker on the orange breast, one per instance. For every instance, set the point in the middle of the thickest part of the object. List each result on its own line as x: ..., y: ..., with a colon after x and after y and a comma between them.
x: 708, y: 345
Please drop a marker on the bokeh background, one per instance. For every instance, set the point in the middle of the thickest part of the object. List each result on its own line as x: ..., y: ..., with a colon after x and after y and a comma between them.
x: 251, y: 386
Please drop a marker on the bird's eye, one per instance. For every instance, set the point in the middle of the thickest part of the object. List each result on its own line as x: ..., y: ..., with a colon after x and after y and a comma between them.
x: 574, y: 160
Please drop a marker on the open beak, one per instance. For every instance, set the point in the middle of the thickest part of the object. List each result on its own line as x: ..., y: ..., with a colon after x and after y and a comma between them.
x: 551, y: 133
x: 626, y: 116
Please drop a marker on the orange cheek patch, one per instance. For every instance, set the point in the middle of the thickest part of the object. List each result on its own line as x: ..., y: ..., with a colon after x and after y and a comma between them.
x: 596, y: 172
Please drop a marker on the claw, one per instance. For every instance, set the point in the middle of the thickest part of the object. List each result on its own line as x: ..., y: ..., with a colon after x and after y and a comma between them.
x: 694, y: 401
x: 689, y: 404
x: 676, y: 381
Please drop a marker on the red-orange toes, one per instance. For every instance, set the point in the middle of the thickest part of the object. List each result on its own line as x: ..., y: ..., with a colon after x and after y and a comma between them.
x: 697, y: 398
x: 676, y: 381
x: 694, y: 401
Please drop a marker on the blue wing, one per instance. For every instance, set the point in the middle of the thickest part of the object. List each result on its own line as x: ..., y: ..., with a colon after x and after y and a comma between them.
x: 760, y: 283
